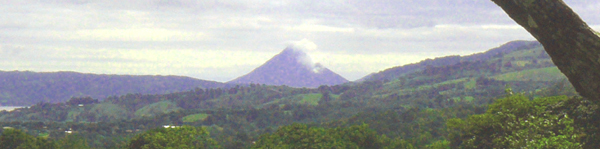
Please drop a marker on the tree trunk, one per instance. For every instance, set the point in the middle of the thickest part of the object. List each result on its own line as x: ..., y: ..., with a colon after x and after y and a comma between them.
x: 572, y: 44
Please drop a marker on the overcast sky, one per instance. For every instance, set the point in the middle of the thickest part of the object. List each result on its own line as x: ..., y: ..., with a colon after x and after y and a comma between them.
x: 223, y: 39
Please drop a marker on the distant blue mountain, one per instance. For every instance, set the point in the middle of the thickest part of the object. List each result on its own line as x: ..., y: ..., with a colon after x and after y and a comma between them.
x: 25, y: 88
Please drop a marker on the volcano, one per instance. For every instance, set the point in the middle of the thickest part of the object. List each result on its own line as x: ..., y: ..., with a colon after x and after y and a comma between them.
x: 292, y: 68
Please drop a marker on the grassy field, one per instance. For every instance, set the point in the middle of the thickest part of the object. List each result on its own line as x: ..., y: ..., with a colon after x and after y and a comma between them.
x: 466, y: 81
x: 312, y: 99
x: 520, y: 63
x: 110, y: 110
x: 466, y: 98
x: 335, y: 96
x: 472, y: 83
x: 523, y: 53
x: 195, y: 117
x: 469, y: 98
x: 541, y: 74
x: 73, y: 114
x: 156, y: 108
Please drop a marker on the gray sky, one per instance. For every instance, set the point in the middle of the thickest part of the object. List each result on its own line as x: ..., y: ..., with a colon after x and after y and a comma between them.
x: 221, y: 40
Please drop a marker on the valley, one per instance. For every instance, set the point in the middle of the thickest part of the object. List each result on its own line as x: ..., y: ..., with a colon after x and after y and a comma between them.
x: 439, y: 74
x: 409, y: 104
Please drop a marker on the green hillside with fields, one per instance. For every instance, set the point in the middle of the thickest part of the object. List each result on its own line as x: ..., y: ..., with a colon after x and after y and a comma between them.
x: 409, y: 108
x: 540, y: 74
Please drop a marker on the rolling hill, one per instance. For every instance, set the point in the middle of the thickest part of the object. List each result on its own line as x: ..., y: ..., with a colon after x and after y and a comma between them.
x: 398, y: 71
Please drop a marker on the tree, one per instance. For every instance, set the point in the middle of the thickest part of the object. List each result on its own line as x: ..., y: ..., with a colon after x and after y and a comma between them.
x: 573, y: 46
x: 73, y: 141
x: 17, y: 139
x: 304, y: 137
x: 325, y: 99
x: 517, y: 122
x: 301, y: 136
x: 74, y: 101
x: 184, y: 137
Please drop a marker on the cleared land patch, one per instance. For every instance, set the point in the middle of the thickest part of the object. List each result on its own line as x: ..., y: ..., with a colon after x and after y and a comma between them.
x: 195, y: 117
x: 541, y: 74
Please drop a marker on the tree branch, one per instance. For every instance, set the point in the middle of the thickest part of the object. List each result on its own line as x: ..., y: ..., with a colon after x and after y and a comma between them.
x: 573, y: 46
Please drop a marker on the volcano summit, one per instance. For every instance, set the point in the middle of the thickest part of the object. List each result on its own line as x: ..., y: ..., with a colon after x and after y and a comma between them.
x: 293, y: 68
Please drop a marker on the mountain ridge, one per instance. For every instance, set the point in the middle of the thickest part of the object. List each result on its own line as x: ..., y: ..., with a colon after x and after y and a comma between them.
x: 28, y: 87
x: 397, y: 71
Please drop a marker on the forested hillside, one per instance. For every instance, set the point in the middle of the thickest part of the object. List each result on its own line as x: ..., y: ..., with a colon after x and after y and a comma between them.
x: 24, y: 88
x: 409, y: 110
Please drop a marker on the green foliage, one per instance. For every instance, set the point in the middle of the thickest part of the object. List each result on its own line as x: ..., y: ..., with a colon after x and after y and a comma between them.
x: 585, y: 115
x: 300, y: 136
x: 75, y: 101
x: 17, y: 139
x: 562, y: 87
x: 440, y: 144
x: 74, y: 141
x: 516, y: 122
x: 399, y: 144
x: 184, y: 137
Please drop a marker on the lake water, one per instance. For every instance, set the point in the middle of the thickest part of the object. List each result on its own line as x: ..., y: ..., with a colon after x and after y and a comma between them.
x: 9, y: 108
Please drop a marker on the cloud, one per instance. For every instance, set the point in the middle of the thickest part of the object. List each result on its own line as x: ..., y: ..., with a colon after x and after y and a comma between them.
x: 221, y: 40
x: 317, y: 28
x: 220, y: 65
x: 304, y: 45
x: 135, y: 34
x: 306, y: 49
x: 8, y: 51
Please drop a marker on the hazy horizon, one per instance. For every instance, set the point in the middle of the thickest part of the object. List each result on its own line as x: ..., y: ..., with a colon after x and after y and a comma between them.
x: 222, y: 40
